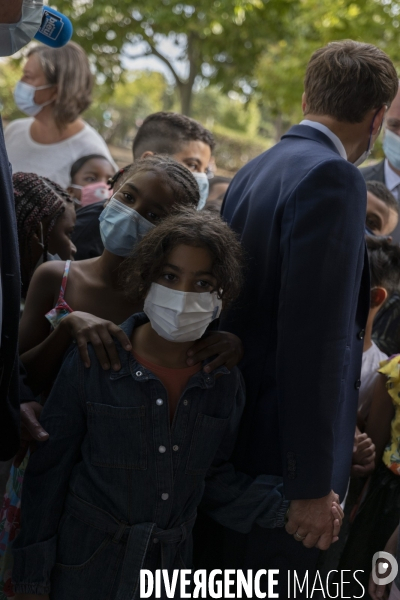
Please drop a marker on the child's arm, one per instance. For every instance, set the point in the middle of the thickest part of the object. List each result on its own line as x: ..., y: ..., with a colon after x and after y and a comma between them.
x: 46, y: 481
x: 237, y: 500
x: 380, y: 417
x: 42, y: 351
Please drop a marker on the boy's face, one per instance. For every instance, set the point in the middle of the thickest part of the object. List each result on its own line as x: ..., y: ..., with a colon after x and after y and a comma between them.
x: 381, y: 219
x: 195, y: 155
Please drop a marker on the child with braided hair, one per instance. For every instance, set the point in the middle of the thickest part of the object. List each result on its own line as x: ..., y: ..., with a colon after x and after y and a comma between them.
x: 45, y: 222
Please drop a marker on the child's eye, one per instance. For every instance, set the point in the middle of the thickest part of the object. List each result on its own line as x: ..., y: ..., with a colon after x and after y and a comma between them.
x: 169, y: 277
x: 153, y: 217
x: 128, y: 196
x: 204, y: 284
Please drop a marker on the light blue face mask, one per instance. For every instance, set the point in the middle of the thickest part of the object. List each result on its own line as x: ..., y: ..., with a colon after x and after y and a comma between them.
x: 121, y: 228
x: 204, y: 186
x: 391, y: 148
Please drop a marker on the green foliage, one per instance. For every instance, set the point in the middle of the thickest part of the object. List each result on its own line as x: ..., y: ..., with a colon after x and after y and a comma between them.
x: 117, y: 114
x: 216, y: 40
x: 10, y: 73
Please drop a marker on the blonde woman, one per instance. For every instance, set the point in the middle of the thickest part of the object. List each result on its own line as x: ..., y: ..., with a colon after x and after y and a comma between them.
x: 54, y: 91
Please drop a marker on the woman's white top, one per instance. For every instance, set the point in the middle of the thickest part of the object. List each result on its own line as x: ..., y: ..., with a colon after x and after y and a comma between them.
x: 53, y: 161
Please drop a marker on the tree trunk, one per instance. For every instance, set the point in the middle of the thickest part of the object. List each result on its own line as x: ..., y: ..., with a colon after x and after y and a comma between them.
x: 186, y: 94
x: 186, y: 87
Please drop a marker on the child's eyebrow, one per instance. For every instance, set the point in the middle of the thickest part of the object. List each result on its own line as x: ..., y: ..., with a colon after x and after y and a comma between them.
x: 198, y: 273
x: 195, y: 273
x: 174, y: 267
x: 132, y: 186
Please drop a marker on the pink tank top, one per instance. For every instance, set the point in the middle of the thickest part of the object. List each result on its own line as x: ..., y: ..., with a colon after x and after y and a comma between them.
x: 61, y: 309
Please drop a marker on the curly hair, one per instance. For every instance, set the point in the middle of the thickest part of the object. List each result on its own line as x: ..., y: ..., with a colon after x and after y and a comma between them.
x: 186, y: 227
x: 167, y: 132
x: 176, y: 175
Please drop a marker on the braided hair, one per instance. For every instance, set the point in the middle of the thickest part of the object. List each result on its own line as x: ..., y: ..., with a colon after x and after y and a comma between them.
x: 37, y: 199
x: 176, y: 175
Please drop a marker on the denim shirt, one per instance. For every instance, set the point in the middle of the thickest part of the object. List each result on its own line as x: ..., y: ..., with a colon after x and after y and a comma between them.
x: 116, y: 487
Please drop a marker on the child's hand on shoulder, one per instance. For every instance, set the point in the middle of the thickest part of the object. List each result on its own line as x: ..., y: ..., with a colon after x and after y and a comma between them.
x: 225, y: 346
x: 84, y: 328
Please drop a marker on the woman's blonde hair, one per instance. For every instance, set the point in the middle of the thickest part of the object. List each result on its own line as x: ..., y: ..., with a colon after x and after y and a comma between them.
x: 68, y: 68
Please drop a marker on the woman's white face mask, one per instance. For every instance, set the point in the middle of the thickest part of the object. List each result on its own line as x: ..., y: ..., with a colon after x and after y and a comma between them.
x: 181, y: 316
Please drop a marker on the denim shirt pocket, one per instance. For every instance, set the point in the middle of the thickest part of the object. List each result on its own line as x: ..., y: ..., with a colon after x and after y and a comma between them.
x: 117, y: 436
x: 207, y: 436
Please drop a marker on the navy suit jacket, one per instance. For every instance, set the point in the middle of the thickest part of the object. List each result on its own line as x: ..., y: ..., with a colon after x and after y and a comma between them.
x: 299, y: 210
x: 11, y: 285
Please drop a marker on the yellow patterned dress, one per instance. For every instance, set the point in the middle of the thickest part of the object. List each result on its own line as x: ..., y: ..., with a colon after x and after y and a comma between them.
x: 391, y: 455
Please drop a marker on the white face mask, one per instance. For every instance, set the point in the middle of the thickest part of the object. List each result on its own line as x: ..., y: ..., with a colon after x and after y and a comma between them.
x: 24, y: 96
x: 180, y: 316
x: 370, y: 147
x: 204, y: 187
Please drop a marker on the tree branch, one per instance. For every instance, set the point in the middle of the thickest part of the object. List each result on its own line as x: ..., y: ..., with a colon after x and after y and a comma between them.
x: 155, y: 52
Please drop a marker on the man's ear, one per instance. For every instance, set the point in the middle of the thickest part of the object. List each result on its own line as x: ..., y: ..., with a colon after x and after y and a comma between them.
x: 378, y: 297
x: 378, y: 121
x: 303, y: 103
x: 147, y: 153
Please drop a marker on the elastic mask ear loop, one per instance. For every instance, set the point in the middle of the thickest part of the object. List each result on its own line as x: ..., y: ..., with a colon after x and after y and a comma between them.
x: 372, y: 125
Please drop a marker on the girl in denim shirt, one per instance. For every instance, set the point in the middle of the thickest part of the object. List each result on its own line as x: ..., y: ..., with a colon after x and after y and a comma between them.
x: 130, y: 454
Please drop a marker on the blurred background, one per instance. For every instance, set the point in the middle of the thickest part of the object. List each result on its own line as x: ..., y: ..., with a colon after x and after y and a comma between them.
x: 235, y: 65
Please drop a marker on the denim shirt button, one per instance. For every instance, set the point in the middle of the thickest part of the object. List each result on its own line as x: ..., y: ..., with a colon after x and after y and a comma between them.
x: 139, y: 373
x: 159, y: 402
x: 161, y: 449
x: 155, y: 541
x: 175, y: 448
x: 185, y: 402
x: 164, y: 496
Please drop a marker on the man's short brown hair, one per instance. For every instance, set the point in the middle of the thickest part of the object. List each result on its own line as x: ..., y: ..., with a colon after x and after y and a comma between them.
x: 347, y: 79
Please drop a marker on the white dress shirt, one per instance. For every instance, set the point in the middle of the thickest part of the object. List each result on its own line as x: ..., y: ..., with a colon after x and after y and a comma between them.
x: 392, y: 180
x: 332, y: 136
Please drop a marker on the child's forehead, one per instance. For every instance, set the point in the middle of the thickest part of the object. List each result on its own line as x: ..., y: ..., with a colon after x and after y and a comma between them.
x: 96, y: 163
x: 190, y: 257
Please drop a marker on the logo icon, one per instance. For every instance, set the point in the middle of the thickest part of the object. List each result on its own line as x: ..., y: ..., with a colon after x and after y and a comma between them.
x: 384, y: 568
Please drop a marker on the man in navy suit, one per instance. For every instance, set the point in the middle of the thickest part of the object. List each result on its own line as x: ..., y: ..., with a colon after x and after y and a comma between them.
x: 299, y: 210
x: 11, y: 384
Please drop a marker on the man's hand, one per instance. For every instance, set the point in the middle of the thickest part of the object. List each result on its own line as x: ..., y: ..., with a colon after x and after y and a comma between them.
x: 312, y: 521
x: 84, y: 328
x: 31, y: 429
x: 226, y: 347
x: 363, y: 455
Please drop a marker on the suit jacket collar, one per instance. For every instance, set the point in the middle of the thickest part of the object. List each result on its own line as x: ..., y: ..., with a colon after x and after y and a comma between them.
x: 309, y: 133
